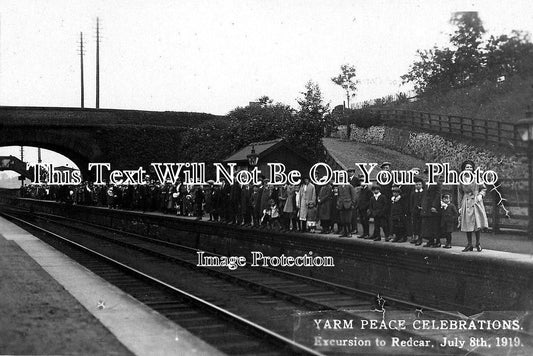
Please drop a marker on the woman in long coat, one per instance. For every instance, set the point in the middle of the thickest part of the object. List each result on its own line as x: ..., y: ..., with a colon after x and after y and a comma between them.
x: 472, y: 214
x: 307, y: 195
x: 325, y: 199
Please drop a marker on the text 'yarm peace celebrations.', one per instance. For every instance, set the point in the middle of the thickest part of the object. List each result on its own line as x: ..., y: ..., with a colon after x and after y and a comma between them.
x: 194, y: 173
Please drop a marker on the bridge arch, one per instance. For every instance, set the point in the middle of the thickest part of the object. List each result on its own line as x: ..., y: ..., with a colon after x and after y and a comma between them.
x: 75, y: 147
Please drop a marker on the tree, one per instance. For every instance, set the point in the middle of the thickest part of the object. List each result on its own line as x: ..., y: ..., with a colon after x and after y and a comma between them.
x: 469, y: 59
x: 312, y: 104
x: 433, y: 71
x: 507, y: 55
x: 265, y: 101
x: 467, y: 40
x: 347, y: 80
x: 311, y: 123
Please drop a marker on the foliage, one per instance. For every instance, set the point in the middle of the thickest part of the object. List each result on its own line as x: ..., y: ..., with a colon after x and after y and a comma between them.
x: 507, y: 55
x: 503, y: 100
x: 387, y: 100
x: 265, y: 100
x: 347, y: 80
x: 215, y: 140
x: 469, y: 59
x: 359, y: 117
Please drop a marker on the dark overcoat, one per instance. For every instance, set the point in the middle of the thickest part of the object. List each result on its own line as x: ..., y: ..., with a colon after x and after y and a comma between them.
x: 449, y: 219
x: 430, y: 224
x: 325, y: 200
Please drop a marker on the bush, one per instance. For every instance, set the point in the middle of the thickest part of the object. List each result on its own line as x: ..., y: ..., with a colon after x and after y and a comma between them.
x: 215, y: 140
x: 361, y: 118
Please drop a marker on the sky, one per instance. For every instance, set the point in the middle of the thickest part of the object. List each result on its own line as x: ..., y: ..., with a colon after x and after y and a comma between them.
x: 212, y: 56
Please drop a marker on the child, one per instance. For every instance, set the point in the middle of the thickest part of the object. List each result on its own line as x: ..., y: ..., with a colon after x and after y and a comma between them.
x: 312, y: 214
x: 448, y: 219
x: 398, y: 215
x: 378, y: 210
x: 416, y: 207
x: 273, y: 215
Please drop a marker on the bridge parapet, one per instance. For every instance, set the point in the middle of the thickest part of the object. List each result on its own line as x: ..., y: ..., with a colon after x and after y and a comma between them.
x: 12, y: 163
x: 69, y: 117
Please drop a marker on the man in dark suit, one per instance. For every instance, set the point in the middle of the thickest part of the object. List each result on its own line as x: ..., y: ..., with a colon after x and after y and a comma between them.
x: 431, y: 214
x: 363, y: 204
x: 379, y: 207
x: 346, y: 200
x: 225, y: 191
x: 355, y: 182
x: 235, y: 202
x: 246, y: 206
x: 406, y: 191
x: 415, y: 205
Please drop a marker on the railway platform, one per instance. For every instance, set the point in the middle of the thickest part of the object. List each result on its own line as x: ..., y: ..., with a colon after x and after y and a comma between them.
x: 52, y: 305
x: 447, y: 279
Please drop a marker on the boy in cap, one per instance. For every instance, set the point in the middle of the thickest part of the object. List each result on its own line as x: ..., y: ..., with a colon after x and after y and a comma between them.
x: 398, y: 215
x: 378, y: 210
x: 386, y: 189
x: 415, y: 204
x: 448, y: 220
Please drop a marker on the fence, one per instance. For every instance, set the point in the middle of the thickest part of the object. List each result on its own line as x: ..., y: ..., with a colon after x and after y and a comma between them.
x: 498, y: 132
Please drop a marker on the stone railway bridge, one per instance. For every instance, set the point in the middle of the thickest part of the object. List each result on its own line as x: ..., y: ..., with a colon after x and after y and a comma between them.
x: 125, y: 138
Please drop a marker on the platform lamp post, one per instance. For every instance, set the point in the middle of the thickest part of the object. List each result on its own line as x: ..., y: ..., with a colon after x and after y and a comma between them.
x: 524, y: 129
x: 253, y: 158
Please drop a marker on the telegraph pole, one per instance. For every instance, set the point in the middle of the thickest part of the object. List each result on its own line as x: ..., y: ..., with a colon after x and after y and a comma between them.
x: 81, y: 67
x: 97, y: 63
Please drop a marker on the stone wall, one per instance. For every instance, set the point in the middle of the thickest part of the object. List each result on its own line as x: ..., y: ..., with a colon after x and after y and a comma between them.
x: 435, y: 148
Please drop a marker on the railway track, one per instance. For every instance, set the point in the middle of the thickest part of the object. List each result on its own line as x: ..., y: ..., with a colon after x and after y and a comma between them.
x: 269, y: 296
x: 230, y: 333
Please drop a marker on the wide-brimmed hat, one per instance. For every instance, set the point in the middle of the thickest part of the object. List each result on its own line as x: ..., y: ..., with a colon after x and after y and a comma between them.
x: 385, y: 164
x: 468, y: 161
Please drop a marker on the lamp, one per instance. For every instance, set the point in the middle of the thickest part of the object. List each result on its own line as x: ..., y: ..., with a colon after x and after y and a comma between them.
x: 524, y: 130
x: 252, y: 157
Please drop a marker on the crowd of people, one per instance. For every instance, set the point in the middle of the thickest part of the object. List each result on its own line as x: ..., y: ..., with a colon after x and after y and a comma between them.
x: 405, y: 213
